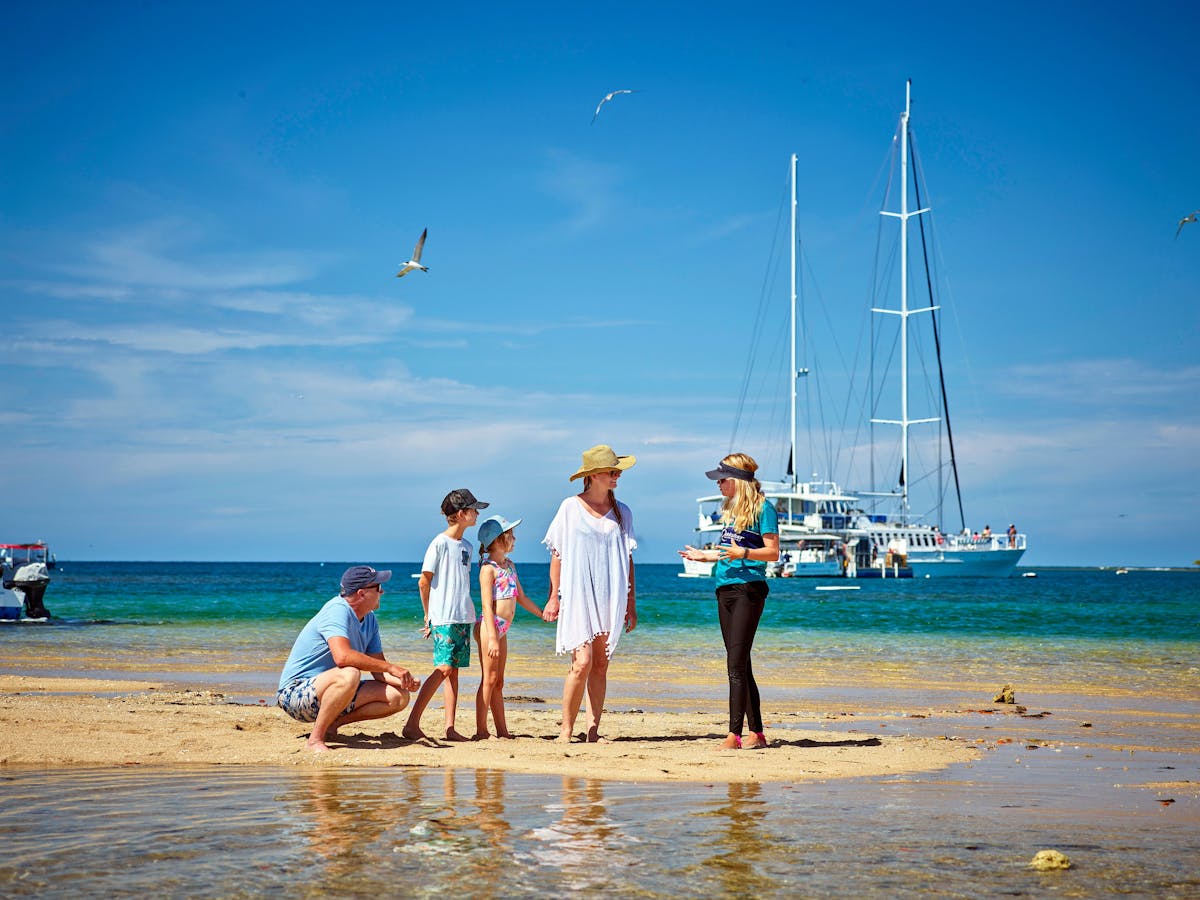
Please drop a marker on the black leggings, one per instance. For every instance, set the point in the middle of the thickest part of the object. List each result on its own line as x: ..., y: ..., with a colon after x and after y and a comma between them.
x: 739, y: 607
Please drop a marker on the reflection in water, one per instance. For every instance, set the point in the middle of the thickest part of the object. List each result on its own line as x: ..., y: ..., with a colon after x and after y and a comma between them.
x: 586, y: 844
x: 743, y: 850
x: 347, y: 819
x: 431, y: 833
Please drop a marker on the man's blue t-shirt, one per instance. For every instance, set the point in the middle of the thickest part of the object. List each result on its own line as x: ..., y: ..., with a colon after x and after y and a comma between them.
x: 311, y: 655
x: 740, y: 571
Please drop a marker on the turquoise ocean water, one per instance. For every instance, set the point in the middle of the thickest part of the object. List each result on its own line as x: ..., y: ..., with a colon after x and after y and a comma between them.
x: 966, y: 832
x: 236, y: 622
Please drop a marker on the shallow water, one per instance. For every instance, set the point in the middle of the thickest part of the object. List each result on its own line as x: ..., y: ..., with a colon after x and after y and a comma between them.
x: 234, y: 623
x: 1129, y: 645
x: 418, y: 832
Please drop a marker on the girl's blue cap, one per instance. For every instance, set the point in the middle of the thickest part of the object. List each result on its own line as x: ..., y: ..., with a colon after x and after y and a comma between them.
x: 492, y: 527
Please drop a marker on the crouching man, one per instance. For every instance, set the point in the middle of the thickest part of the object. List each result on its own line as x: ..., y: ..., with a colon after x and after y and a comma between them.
x: 322, y: 680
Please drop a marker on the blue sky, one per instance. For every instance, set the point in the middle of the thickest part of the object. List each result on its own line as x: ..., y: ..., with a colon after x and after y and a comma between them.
x: 203, y: 207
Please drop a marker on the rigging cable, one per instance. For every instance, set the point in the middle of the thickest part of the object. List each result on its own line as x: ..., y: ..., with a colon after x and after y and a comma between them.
x: 937, y: 343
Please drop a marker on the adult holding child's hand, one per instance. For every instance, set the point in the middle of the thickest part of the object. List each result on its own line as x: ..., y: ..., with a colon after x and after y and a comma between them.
x: 592, y: 591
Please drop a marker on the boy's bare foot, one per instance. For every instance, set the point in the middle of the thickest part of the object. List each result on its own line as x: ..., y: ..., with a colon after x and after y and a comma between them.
x: 413, y: 733
x: 593, y: 737
x: 506, y: 736
x: 481, y: 736
x: 733, y: 742
x: 452, y: 735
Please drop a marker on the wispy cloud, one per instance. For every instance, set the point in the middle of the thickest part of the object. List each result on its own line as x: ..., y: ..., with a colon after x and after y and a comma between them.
x: 170, y: 254
x: 1097, y: 382
x: 585, y: 187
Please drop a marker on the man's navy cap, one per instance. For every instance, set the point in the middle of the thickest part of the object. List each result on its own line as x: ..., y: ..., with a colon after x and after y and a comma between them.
x: 356, y: 578
x: 460, y: 499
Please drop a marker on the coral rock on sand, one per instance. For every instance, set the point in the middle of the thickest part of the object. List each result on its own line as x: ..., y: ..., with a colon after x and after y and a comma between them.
x: 1046, y: 860
x: 1006, y: 695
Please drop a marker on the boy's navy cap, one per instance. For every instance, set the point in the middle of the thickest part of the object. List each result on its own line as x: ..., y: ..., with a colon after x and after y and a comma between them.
x: 460, y: 499
x: 356, y: 578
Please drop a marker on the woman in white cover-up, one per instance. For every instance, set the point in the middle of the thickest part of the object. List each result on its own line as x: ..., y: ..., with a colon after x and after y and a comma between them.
x: 592, y: 592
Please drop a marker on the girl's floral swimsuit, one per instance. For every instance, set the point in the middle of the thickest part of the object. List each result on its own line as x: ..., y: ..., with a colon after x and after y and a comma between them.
x: 504, y: 588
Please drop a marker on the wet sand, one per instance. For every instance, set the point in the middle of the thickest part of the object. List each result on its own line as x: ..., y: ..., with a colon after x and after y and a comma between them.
x: 57, y: 722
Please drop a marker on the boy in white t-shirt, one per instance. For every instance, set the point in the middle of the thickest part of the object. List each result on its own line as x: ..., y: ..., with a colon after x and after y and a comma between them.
x: 445, y: 588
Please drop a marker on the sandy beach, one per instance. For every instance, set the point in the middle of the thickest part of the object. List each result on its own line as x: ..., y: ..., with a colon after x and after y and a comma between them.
x: 60, y: 722
x: 73, y: 722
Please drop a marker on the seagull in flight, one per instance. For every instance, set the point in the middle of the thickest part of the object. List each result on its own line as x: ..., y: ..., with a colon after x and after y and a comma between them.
x: 1185, y: 220
x: 608, y: 97
x: 415, y: 262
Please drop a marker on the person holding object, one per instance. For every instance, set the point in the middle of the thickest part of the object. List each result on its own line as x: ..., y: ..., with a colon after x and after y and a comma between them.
x: 322, y: 680
x: 749, y: 541
x: 592, y: 591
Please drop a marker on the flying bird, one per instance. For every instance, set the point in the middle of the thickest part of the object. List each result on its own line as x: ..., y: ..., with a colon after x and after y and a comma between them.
x: 1185, y: 220
x: 415, y: 262
x: 608, y: 97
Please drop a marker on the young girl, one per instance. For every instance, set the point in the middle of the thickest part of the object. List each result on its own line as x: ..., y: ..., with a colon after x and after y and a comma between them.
x: 500, y: 591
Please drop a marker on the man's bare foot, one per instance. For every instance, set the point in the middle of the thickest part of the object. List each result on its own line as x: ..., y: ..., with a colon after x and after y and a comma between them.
x: 733, y: 742
x: 413, y: 733
x: 317, y: 746
x: 452, y: 735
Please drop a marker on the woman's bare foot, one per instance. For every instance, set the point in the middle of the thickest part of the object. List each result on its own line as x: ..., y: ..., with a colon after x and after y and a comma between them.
x: 755, y: 742
x: 564, y: 738
x: 732, y: 742
x: 593, y: 737
x: 452, y: 735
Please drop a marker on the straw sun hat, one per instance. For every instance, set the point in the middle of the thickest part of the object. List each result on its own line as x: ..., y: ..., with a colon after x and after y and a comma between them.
x: 600, y: 459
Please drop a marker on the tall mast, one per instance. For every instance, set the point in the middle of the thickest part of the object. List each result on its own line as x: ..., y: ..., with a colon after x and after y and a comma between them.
x: 795, y: 465
x: 904, y: 312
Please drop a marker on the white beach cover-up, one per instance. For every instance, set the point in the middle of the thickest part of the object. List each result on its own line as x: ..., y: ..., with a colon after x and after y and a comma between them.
x: 594, y: 577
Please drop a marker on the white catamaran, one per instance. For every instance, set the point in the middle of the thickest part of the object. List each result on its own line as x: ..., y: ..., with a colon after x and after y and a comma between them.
x: 825, y: 531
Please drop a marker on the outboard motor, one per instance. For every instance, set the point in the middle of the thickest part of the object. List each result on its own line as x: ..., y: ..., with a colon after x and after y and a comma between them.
x: 30, y: 581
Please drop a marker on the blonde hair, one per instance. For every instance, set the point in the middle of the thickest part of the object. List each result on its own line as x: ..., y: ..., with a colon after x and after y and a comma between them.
x: 483, y: 551
x: 743, y: 508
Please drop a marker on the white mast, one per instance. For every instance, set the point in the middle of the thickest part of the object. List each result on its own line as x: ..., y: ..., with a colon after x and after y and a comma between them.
x: 904, y: 312
x: 795, y: 465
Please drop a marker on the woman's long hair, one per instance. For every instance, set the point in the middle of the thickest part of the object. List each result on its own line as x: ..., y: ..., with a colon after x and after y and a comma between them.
x: 742, y: 509
x: 612, y: 498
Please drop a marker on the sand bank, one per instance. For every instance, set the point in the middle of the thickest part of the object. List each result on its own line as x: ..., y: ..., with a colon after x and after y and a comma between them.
x: 60, y: 722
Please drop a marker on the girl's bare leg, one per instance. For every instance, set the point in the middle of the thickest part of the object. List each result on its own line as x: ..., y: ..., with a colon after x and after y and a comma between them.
x: 497, y: 701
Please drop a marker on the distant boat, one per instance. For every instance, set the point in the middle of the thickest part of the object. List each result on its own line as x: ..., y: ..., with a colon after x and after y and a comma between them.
x: 23, y: 580
x: 1122, y: 572
x: 827, y: 531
